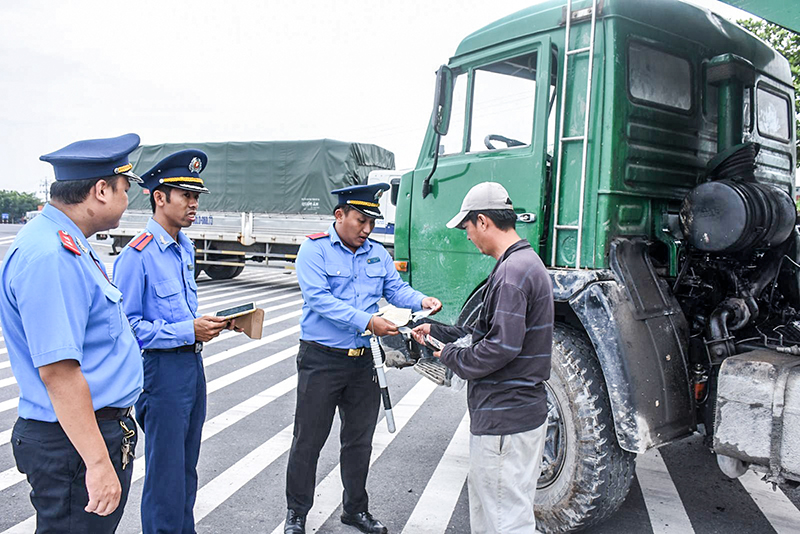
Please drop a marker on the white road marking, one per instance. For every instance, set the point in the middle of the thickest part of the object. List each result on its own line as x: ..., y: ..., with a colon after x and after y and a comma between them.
x: 435, y: 507
x: 5, y: 382
x: 776, y: 507
x: 664, y: 505
x: 280, y: 292
x: 259, y: 283
x: 247, y: 370
x: 267, y: 322
x: 235, y: 351
x: 211, y: 428
x: 224, y: 355
x: 9, y: 404
x: 328, y: 493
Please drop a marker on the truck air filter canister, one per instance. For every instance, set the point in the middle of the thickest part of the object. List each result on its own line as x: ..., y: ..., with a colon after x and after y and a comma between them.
x: 730, y: 216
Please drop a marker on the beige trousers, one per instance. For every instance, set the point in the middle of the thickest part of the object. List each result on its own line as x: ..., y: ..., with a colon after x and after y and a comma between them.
x: 502, y: 481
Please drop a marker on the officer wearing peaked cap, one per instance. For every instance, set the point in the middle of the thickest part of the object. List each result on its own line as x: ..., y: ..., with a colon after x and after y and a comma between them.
x: 155, y: 273
x: 72, y: 352
x: 342, y: 275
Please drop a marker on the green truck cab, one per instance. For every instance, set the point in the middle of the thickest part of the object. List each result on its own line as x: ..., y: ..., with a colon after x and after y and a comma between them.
x: 649, y: 150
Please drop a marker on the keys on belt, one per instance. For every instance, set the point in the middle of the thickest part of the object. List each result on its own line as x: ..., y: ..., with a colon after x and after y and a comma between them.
x: 127, y: 449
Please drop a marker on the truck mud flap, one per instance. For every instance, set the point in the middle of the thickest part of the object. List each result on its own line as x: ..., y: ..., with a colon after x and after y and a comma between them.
x: 640, y: 336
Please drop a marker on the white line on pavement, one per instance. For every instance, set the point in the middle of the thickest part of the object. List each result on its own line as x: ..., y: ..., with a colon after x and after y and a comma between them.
x: 328, y: 493
x: 267, y: 322
x: 9, y: 404
x: 776, y: 507
x: 225, y: 354
x: 211, y: 360
x: 664, y: 507
x: 435, y: 507
x: 247, y: 370
x: 5, y: 382
x: 210, y: 428
x: 248, y: 284
x: 284, y: 290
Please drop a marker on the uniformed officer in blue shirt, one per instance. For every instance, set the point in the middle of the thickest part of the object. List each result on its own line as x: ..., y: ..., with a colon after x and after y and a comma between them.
x: 155, y: 273
x: 76, y: 361
x: 342, y: 275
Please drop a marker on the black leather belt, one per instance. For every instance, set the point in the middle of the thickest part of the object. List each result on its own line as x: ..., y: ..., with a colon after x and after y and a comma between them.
x: 113, y: 414
x: 196, y: 347
x: 352, y: 353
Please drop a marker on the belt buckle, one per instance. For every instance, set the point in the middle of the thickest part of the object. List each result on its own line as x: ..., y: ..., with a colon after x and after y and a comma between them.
x: 355, y: 353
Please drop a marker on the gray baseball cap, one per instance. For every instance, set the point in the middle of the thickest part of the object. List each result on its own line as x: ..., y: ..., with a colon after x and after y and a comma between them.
x: 484, y: 196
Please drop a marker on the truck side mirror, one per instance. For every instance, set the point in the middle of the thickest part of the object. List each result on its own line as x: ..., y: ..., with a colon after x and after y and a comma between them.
x: 395, y: 182
x: 442, y: 101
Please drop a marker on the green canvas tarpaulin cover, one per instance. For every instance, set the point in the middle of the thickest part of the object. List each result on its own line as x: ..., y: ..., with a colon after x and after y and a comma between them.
x: 784, y: 13
x: 271, y: 176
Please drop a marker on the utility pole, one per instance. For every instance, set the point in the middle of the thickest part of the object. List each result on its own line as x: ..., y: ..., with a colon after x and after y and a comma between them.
x: 44, y: 189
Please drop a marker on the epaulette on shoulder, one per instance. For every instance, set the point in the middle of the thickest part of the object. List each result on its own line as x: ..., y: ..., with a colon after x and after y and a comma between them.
x: 317, y: 236
x: 68, y: 243
x: 376, y: 242
x: 141, y: 241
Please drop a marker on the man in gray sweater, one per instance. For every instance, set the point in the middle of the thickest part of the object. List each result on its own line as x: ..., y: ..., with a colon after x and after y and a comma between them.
x: 505, y: 365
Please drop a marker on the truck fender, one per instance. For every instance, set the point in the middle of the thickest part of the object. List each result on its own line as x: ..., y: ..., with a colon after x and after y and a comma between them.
x: 640, y: 336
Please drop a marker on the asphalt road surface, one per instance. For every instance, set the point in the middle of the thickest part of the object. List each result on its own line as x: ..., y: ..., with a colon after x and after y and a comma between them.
x: 417, y: 481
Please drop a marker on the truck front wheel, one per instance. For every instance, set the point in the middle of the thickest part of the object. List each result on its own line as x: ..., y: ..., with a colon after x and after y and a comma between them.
x: 585, y: 474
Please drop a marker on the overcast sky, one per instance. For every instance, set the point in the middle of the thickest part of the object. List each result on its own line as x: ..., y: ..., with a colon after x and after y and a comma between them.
x: 243, y: 70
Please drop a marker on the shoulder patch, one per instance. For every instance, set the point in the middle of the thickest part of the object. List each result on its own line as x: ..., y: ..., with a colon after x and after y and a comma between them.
x: 317, y: 236
x: 141, y: 241
x: 68, y: 243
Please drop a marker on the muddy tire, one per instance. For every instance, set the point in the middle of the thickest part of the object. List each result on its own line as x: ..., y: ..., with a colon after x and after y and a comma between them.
x: 585, y: 474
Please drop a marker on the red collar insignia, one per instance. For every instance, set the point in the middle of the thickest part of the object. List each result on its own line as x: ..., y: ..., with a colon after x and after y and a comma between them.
x: 68, y: 242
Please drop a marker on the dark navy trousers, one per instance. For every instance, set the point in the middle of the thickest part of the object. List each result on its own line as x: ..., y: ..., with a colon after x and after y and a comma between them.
x: 57, y: 476
x: 171, y: 412
x: 325, y: 381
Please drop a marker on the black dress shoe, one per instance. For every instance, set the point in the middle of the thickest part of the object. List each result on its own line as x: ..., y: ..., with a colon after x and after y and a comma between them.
x: 364, y: 522
x: 295, y: 523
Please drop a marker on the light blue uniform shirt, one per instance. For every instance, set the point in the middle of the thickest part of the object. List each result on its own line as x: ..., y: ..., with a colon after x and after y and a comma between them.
x: 341, y: 289
x: 159, y: 288
x: 57, y: 305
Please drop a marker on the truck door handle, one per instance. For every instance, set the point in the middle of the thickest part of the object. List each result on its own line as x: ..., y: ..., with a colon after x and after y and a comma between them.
x: 526, y: 217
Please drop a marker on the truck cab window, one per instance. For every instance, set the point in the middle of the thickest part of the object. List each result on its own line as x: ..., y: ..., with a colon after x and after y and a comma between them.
x: 503, y: 98
x: 453, y: 142
x: 657, y: 77
x: 773, y: 114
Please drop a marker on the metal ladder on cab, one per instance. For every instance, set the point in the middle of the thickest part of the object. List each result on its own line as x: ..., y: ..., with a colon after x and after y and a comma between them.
x: 557, y: 226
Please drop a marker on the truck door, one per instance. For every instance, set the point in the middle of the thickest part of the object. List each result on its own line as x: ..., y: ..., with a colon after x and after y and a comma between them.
x: 498, y: 132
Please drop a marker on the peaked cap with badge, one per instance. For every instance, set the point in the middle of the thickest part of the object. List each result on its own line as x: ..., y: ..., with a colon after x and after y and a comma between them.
x: 180, y: 170
x: 94, y: 158
x: 364, y: 198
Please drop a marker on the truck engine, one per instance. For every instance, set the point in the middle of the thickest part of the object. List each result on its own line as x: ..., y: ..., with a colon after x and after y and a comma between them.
x: 739, y: 287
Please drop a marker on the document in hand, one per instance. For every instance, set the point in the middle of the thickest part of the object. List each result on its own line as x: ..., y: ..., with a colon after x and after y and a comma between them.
x: 248, y: 318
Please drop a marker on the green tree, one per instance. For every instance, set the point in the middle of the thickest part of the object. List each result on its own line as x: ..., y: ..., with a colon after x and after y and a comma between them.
x: 16, y: 204
x: 787, y: 43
